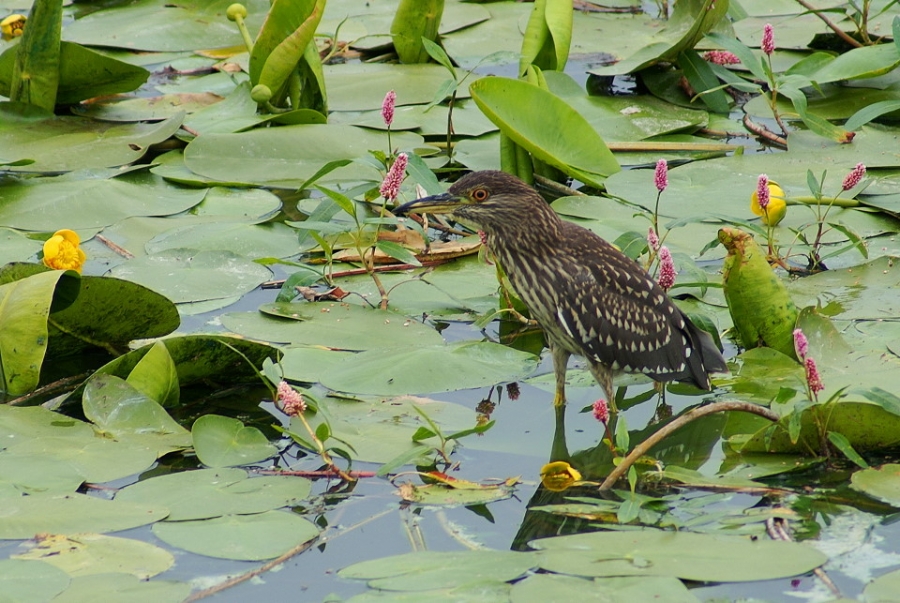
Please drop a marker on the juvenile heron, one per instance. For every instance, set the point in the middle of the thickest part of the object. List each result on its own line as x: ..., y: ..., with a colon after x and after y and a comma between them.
x: 590, y: 299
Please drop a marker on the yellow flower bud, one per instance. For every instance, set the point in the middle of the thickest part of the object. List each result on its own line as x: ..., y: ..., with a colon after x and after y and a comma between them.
x: 777, y: 208
x: 261, y: 93
x: 236, y: 10
x: 12, y: 26
x: 559, y: 476
x: 61, y: 251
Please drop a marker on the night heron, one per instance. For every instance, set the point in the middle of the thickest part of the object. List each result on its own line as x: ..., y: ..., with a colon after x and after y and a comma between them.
x: 590, y: 299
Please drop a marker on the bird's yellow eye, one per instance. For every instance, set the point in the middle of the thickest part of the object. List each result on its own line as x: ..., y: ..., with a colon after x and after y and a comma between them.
x: 480, y: 194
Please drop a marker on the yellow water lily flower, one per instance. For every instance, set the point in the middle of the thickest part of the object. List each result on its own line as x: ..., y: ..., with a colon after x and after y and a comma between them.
x: 61, y: 251
x: 12, y: 26
x: 777, y: 208
x: 559, y: 476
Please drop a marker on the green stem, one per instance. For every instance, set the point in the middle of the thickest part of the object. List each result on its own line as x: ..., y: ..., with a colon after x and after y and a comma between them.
x: 248, y: 41
x: 827, y: 201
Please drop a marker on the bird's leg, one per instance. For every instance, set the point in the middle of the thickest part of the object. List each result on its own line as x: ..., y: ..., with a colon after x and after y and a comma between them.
x: 604, y: 377
x: 560, y: 363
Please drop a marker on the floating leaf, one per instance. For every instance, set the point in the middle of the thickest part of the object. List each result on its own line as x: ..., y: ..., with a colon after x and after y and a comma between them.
x: 26, y: 516
x: 124, y: 587
x: 224, y: 442
x: 189, y: 275
x: 243, y: 537
x: 685, y: 555
x: 427, y: 570
x: 87, y: 554
x: 334, y: 325
x: 206, y: 493
x: 882, y: 483
x: 29, y: 581
x: 120, y: 410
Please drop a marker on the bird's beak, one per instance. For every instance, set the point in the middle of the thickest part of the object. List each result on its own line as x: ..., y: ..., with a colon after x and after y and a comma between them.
x: 445, y: 203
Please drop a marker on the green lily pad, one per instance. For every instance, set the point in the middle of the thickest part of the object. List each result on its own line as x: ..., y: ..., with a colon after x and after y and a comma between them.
x: 242, y: 537
x: 203, y: 357
x: 160, y: 26
x: 123, y: 587
x: 35, y: 474
x: 884, y: 587
x: 554, y: 587
x: 382, y: 430
x: 120, y: 410
x: 26, y: 516
x: 426, y: 570
x: 400, y: 371
x: 48, y: 206
x: 32, y: 582
x: 333, y: 325
x: 15, y: 247
x: 882, y: 483
x: 189, y: 275
x: 225, y: 442
x: 249, y: 240
x: 61, y: 144
x: 207, y: 493
x: 289, y: 155
x: 95, y: 458
x: 701, y: 557
x: 87, y: 554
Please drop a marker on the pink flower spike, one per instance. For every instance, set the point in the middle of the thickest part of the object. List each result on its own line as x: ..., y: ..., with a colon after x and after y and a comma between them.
x: 768, y: 39
x: 721, y: 57
x: 601, y: 411
x: 661, y: 176
x: 801, y: 345
x: 652, y: 239
x: 291, y: 401
x: 854, y: 177
x: 762, y: 191
x: 390, y: 186
x: 813, y: 379
x: 387, y: 108
x: 666, y: 269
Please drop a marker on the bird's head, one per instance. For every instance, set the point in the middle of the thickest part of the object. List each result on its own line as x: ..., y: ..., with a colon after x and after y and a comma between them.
x: 486, y: 200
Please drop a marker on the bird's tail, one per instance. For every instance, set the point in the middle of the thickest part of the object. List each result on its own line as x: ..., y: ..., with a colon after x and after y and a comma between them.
x: 705, y: 357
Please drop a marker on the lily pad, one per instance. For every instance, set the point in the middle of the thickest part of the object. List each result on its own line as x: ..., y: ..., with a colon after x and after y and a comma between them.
x: 118, y: 409
x: 87, y: 554
x: 242, y: 537
x: 382, y: 430
x: 26, y: 581
x: 225, y: 442
x: 334, y: 325
x: 207, y: 493
x: 48, y: 206
x: 289, y: 155
x: 426, y: 570
x: 124, y: 587
x: 539, y: 588
x: 189, y: 275
x: 882, y: 483
x: 399, y: 371
x: 62, y: 144
x: 701, y: 557
x: 26, y: 516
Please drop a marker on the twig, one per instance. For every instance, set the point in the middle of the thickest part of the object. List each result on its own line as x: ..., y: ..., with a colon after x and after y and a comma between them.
x: 212, y: 590
x: 323, y: 473
x: 120, y: 250
x: 764, y: 132
x: 642, y: 448
x: 837, y: 30
x: 556, y: 187
x: 776, y: 530
x: 60, y: 384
